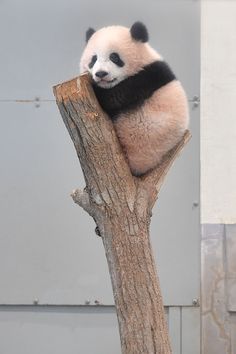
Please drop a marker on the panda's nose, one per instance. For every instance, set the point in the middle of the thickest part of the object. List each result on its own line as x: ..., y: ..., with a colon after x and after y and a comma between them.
x: 101, y: 74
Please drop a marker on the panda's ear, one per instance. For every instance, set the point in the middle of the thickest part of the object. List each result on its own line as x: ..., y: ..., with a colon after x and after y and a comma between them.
x: 139, y: 32
x: 89, y: 33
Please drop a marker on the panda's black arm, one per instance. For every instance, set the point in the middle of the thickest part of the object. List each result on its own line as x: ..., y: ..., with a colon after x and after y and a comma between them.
x: 134, y: 90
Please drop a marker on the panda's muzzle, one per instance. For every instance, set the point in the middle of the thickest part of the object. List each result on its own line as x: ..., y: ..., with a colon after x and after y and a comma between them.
x: 102, y: 78
x: 101, y: 74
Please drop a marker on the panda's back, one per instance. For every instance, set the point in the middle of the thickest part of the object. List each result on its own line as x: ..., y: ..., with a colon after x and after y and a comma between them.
x: 150, y: 131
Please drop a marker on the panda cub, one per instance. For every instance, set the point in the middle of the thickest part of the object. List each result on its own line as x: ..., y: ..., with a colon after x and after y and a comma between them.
x: 139, y: 92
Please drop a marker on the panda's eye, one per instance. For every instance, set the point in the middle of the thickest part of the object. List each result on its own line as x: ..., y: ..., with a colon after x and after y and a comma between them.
x: 93, y: 61
x: 115, y: 58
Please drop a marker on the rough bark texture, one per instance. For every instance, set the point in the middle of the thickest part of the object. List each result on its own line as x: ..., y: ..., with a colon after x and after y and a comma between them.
x: 121, y: 206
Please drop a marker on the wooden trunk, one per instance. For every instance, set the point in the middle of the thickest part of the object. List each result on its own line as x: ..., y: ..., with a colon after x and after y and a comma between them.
x: 121, y: 206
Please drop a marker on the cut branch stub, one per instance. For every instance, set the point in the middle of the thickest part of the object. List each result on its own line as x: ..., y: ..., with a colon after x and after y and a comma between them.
x: 95, y: 140
x: 121, y: 206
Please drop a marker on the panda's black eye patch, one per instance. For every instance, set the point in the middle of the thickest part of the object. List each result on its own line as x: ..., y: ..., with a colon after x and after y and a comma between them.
x: 93, y: 61
x: 115, y: 58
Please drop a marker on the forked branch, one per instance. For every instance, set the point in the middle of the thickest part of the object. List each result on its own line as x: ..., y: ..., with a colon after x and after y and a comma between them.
x: 121, y: 206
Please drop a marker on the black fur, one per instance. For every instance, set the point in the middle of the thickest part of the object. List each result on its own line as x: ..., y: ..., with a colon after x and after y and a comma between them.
x: 115, y: 58
x: 131, y: 93
x: 139, y: 32
x: 93, y: 61
x: 89, y: 33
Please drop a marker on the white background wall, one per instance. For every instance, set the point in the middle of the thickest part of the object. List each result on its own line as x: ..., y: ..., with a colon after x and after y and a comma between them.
x: 218, y: 111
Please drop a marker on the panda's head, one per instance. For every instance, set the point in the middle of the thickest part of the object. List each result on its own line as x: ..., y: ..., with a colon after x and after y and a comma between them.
x: 114, y: 53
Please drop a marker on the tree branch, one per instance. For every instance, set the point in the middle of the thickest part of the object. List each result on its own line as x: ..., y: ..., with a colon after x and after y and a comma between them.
x: 155, y: 178
x: 82, y: 199
x: 121, y: 206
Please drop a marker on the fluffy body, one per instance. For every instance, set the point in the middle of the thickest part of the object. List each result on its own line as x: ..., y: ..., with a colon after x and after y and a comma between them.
x: 152, y: 119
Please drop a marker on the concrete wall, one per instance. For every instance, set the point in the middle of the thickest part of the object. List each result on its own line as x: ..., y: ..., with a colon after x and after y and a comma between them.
x: 218, y: 175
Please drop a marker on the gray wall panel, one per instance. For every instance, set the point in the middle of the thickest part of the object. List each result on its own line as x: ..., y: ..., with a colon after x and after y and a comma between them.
x: 175, y: 226
x: 58, y: 330
x: 216, y: 320
x: 41, y: 41
x: 230, y: 234
x: 48, y: 248
x: 190, y: 330
x: 46, y: 241
x: 174, y: 324
x: 233, y: 332
x: 82, y: 330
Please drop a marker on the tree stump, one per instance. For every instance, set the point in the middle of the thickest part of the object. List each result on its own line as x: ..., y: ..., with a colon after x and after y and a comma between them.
x: 121, y: 206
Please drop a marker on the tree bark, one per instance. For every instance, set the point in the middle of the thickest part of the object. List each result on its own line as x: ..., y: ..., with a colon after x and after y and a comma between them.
x: 121, y: 206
